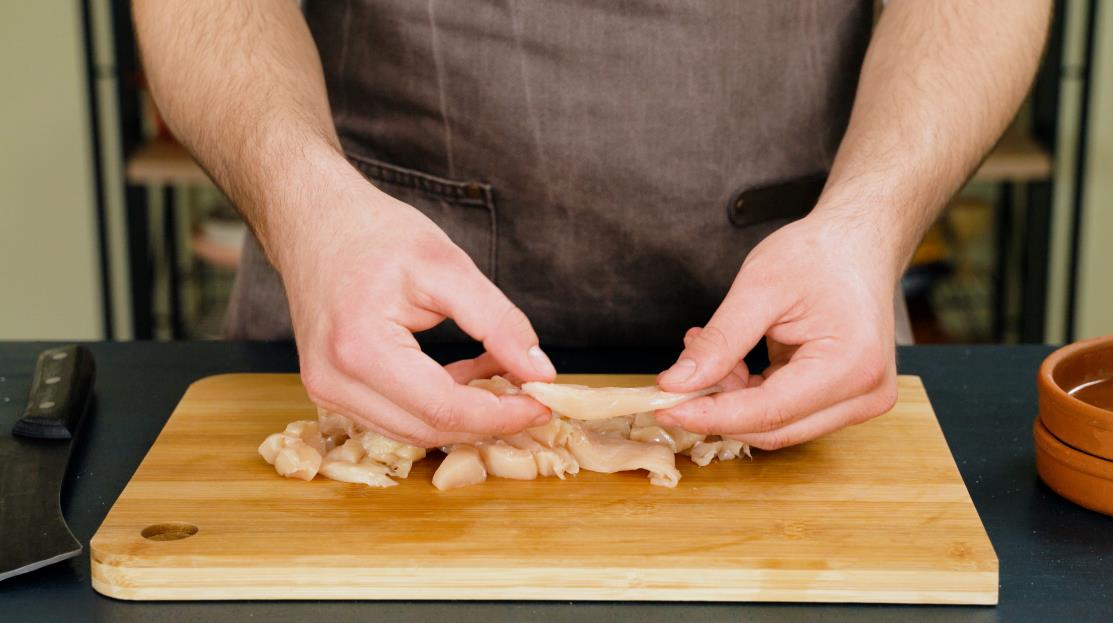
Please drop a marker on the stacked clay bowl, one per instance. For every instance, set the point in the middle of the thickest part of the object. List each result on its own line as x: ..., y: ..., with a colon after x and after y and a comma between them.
x: 1074, y: 431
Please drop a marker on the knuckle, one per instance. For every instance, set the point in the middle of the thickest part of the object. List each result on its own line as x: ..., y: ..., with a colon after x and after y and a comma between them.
x: 441, y: 416
x: 774, y: 417
x: 317, y: 384
x: 873, y: 370
x: 883, y: 400
x: 513, y: 319
x: 347, y: 348
x: 712, y: 339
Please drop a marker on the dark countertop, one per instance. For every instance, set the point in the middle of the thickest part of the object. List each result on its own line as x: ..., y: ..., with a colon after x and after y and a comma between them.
x: 1056, y: 558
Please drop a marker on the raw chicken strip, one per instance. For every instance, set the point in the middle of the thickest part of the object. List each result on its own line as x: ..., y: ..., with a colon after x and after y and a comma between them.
x: 580, y: 402
x: 461, y: 468
x: 608, y: 454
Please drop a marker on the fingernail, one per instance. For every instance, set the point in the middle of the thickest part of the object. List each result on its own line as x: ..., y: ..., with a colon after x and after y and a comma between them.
x: 542, y: 420
x: 541, y: 362
x: 680, y: 371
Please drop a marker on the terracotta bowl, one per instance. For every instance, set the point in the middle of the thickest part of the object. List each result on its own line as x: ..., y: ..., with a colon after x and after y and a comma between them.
x: 1081, y: 478
x: 1076, y: 423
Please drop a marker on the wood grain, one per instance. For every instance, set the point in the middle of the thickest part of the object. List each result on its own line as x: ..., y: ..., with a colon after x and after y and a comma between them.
x: 874, y: 513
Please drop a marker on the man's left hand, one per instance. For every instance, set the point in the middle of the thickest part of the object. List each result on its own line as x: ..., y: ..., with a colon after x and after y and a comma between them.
x: 820, y: 291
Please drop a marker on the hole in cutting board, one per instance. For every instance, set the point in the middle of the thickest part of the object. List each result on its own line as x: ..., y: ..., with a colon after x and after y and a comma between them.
x: 169, y: 531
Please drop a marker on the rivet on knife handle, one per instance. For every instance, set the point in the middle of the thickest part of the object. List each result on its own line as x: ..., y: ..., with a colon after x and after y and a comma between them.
x: 61, y: 389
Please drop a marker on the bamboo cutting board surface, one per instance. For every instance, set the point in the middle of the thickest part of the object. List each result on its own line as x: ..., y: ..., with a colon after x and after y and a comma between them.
x: 874, y: 513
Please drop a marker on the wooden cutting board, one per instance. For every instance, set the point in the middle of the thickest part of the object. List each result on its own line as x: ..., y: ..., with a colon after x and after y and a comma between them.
x: 874, y: 513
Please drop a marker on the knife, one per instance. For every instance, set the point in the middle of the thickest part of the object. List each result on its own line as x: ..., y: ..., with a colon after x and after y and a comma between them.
x: 33, y: 457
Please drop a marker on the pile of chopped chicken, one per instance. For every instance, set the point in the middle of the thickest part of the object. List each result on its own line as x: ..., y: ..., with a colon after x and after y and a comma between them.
x: 607, y: 430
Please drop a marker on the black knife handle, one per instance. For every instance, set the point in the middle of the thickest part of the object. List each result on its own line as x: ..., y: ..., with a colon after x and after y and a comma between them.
x: 61, y: 390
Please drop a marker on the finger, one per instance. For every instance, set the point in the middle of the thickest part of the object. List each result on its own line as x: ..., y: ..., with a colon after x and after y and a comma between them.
x: 395, y: 367
x: 373, y: 412
x: 484, y: 313
x: 847, y: 413
x: 812, y: 381
x: 738, y: 378
x: 734, y: 329
x: 467, y: 370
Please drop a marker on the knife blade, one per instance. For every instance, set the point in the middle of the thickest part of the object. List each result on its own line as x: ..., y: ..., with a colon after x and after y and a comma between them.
x: 33, y: 457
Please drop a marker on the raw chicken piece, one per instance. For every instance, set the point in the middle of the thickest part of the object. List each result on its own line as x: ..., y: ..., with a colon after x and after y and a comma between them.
x: 398, y: 456
x: 608, y: 454
x: 653, y: 434
x: 461, y: 468
x: 350, y: 463
x: 704, y: 452
x: 296, y: 451
x: 335, y: 428
x: 550, y: 461
x: 307, y: 431
x: 552, y: 434
x: 367, y: 473
x: 619, y: 426
x: 556, y: 462
x: 496, y: 385
x: 581, y: 402
x: 647, y: 429
x: 732, y: 449
x: 298, y: 460
x: 506, y: 461
x: 613, y: 429
x: 684, y: 439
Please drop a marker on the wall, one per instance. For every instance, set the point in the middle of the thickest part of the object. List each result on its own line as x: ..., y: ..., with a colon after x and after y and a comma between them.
x: 1094, y: 314
x: 49, y: 275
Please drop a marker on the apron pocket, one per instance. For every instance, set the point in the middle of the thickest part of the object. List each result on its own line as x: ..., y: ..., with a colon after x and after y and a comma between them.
x: 465, y: 210
x: 791, y: 199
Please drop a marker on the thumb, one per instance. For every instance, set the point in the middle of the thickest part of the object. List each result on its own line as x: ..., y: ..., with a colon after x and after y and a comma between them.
x: 486, y: 314
x: 713, y: 352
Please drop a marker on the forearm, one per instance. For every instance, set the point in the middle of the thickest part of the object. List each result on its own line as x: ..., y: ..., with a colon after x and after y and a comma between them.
x: 940, y: 83
x: 239, y: 82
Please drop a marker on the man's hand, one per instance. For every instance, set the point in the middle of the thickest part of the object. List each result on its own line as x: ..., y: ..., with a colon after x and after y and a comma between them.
x: 818, y: 294
x: 362, y: 271
x: 360, y: 282
x: 939, y: 84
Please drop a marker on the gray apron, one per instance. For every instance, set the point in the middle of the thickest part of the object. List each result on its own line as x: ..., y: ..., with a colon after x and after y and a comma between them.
x: 607, y: 164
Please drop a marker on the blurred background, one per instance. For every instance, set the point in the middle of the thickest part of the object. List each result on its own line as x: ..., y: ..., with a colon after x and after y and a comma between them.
x: 108, y: 230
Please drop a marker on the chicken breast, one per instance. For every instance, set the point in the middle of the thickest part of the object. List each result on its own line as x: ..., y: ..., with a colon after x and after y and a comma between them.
x: 580, y: 402
x: 461, y: 468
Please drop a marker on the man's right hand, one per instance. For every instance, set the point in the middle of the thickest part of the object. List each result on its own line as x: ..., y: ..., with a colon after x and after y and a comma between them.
x: 361, y: 278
